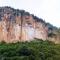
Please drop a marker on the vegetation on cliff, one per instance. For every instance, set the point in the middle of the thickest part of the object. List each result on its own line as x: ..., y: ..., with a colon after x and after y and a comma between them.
x: 15, y: 23
x: 34, y: 50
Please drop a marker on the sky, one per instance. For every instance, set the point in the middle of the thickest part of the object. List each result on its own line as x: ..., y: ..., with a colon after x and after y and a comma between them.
x: 49, y: 10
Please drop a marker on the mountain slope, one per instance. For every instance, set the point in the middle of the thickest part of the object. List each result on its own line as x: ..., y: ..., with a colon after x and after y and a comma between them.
x: 19, y: 25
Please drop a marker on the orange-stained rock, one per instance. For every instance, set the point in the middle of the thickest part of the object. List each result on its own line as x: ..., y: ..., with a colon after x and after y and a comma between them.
x: 14, y: 31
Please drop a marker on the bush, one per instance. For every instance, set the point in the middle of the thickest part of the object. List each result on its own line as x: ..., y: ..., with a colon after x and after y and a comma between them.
x: 34, y: 50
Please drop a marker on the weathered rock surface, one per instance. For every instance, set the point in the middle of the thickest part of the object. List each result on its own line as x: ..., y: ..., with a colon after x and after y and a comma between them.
x: 18, y: 25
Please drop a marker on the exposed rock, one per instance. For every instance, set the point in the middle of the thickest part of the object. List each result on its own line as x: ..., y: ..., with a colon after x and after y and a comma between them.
x: 18, y: 25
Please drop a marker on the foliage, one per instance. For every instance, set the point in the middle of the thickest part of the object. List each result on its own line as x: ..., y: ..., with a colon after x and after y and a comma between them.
x: 34, y: 50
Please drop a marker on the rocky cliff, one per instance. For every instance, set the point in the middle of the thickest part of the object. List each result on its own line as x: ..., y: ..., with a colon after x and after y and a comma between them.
x: 19, y: 25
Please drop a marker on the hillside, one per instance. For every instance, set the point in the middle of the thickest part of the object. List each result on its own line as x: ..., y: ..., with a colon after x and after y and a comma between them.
x: 34, y: 50
x: 19, y: 25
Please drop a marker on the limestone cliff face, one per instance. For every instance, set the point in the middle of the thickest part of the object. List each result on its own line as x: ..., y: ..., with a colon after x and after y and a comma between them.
x: 16, y: 25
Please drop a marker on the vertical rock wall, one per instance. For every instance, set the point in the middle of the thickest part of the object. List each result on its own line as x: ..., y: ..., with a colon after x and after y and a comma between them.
x: 10, y: 31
